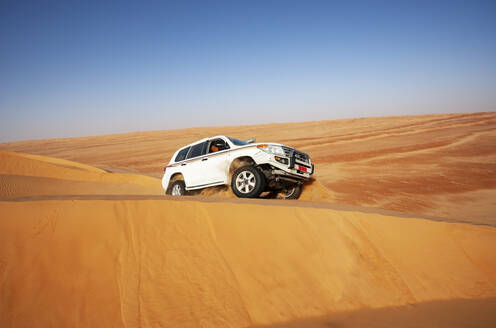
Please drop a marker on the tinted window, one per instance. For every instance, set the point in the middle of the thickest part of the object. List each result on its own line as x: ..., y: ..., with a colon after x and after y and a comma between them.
x: 182, y: 154
x: 237, y: 142
x: 197, y: 150
x: 217, y: 145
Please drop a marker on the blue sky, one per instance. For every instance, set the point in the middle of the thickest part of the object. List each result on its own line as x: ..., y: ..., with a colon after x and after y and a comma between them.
x: 77, y: 68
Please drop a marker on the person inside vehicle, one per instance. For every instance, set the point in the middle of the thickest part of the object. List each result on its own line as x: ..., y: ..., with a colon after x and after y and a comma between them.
x: 218, y: 145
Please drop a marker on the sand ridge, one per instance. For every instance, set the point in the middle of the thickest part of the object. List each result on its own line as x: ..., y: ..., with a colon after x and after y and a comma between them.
x: 24, y: 175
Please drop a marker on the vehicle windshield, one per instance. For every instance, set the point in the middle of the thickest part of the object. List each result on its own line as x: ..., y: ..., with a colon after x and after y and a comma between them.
x: 237, y: 142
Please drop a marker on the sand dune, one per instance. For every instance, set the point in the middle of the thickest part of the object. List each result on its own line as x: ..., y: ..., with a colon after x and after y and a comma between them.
x: 24, y: 175
x: 434, y: 314
x: 192, y: 263
x: 71, y: 255
x: 435, y: 165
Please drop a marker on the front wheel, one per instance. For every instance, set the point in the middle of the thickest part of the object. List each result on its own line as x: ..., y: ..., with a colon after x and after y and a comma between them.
x: 292, y: 192
x: 247, y: 182
x: 178, y: 188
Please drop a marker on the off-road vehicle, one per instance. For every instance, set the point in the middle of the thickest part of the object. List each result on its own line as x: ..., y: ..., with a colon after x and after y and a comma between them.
x: 250, y: 168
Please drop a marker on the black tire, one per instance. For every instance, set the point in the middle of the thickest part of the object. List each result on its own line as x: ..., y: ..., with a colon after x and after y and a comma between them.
x: 293, y: 192
x: 253, y: 182
x: 177, y: 188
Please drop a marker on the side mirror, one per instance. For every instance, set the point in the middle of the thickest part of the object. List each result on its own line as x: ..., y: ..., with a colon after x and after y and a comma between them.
x: 251, y: 140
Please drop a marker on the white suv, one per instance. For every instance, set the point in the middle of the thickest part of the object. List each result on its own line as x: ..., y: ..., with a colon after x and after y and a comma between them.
x: 251, y: 168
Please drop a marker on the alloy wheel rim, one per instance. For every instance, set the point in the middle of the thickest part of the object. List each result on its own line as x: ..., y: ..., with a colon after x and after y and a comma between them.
x: 245, y: 182
x: 176, y: 190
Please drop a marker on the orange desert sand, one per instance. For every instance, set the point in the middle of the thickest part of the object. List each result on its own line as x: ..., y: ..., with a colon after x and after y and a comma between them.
x: 98, y: 245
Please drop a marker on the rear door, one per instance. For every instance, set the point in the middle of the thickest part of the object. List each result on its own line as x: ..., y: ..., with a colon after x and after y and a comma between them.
x: 193, y: 168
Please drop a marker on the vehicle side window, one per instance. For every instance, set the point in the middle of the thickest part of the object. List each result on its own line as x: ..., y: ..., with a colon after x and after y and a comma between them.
x: 217, y: 145
x: 181, y: 156
x: 197, y: 150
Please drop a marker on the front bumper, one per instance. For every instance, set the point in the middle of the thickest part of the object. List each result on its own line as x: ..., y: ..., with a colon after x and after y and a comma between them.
x: 292, y: 163
x: 279, y: 175
x: 292, y: 167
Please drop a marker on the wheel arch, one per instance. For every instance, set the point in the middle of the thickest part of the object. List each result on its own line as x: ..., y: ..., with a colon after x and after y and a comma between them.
x: 239, y: 162
x: 174, y: 177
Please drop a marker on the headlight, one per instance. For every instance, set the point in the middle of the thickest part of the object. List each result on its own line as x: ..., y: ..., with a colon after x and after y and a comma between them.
x: 272, y: 149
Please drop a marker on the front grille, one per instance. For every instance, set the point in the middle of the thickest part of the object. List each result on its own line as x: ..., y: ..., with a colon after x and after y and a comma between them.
x: 301, y: 157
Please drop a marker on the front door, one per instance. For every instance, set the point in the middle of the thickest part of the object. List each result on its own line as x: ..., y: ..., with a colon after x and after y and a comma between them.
x: 215, y: 162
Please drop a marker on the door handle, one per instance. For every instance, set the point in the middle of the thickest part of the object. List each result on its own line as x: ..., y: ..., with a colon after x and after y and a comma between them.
x: 183, y: 164
x: 205, y: 159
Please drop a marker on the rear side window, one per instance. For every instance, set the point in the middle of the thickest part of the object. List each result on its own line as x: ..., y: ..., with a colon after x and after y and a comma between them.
x: 197, y: 150
x: 182, y: 154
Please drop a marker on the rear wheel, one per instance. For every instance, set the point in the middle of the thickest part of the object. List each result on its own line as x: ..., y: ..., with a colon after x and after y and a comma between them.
x: 247, y: 182
x: 178, y: 188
